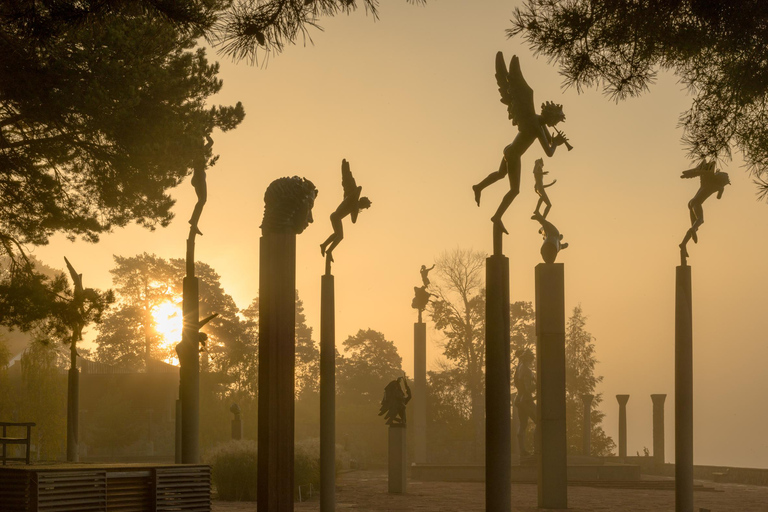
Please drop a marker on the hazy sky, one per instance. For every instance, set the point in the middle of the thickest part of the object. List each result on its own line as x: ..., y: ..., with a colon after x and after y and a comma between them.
x: 411, y: 102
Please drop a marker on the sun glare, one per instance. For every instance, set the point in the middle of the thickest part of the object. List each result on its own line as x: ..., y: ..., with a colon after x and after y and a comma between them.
x: 168, y: 323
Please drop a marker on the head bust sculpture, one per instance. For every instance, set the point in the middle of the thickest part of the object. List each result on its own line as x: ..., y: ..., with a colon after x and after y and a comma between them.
x: 288, y: 206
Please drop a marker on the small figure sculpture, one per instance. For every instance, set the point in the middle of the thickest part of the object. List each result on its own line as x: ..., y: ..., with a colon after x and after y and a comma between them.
x: 350, y: 205
x: 394, y: 401
x: 518, y: 96
x: 235, y: 409
x: 553, y: 243
x: 711, y: 181
x: 288, y: 206
x: 424, y: 273
x: 540, y: 188
x: 201, y: 187
x: 420, y: 299
x: 525, y: 382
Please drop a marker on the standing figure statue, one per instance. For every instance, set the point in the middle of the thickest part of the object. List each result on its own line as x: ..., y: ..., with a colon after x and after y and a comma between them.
x: 201, y: 187
x: 525, y: 382
x: 350, y: 205
x: 540, y: 188
x: 394, y: 401
x: 553, y: 240
x: 711, y: 181
x: 424, y: 273
x: 518, y: 96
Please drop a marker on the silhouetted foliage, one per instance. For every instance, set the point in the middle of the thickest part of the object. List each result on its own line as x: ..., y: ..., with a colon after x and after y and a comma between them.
x: 719, y: 50
x: 580, y: 380
x: 459, y: 312
x: 102, y: 110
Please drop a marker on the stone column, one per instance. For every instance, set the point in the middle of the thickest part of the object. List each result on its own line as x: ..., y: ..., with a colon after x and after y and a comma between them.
x: 623, y: 399
x: 419, y: 422
x: 658, y: 429
x: 586, y: 432
x: 177, y: 421
x: 683, y: 391
x: 397, y: 458
x: 189, y: 373
x: 73, y: 412
x: 327, y: 394
x: 550, y: 384
x: 498, y: 442
x: 277, y: 351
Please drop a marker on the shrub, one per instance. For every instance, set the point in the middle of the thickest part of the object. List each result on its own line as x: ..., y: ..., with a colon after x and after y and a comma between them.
x: 233, y: 470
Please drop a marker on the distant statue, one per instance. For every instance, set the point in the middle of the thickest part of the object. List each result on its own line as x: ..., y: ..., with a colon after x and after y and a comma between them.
x: 540, y: 188
x: 288, y: 206
x: 518, y: 96
x: 711, y: 181
x: 394, y: 401
x: 350, y: 205
x: 420, y: 299
x: 424, y: 273
x: 553, y: 240
x: 235, y: 409
x: 525, y: 382
x: 201, y: 187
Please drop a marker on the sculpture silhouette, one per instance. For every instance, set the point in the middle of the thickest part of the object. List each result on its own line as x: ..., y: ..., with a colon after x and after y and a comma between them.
x: 394, y: 401
x: 420, y: 299
x: 518, y: 96
x: 525, y: 382
x: 553, y: 243
x: 424, y: 273
x: 288, y: 205
x: 201, y: 187
x: 540, y: 188
x: 350, y: 205
x: 711, y: 181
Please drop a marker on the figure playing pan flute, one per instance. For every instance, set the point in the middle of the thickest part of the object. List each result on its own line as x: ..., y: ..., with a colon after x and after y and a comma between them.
x: 518, y: 96
x: 711, y: 181
x: 350, y: 205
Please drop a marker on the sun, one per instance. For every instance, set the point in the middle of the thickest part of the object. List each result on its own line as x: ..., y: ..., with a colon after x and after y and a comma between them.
x: 168, y: 323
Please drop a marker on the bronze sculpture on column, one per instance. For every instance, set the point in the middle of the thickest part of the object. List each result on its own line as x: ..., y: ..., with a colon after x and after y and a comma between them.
x: 711, y: 181
x: 518, y: 96
x: 393, y: 409
x: 287, y: 212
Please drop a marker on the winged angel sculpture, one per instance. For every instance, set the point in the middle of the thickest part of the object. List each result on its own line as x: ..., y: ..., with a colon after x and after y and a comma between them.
x: 518, y: 96
x: 350, y: 205
x: 711, y: 181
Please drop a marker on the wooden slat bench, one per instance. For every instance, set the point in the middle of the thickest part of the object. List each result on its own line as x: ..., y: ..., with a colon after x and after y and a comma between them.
x: 6, y: 440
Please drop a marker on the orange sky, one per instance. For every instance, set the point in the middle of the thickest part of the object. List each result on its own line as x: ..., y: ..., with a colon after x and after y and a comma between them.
x: 411, y: 102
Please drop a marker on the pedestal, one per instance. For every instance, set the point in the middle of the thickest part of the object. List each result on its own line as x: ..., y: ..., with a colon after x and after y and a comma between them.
x: 683, y: 391
x: 327, y: 395
x: 189, y: 374
x: 419, y: 421
x: 397, y: 459
x: 277, y: 351
x: 73, y: 411
x: 237, y: 429
x: 550, y: 384
x: 622, y: 399
x: 498, y: 442
x: 586, y: 432
x: 658, y: 429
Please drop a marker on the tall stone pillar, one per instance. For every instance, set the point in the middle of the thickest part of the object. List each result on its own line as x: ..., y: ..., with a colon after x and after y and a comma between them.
x: 73, y: 412
x: 327, y: 394
x: 658, y: 429
x: 277, y: 351
x: 189, y: 373
x: 622, y: 399
x: 397, y: 459
x: 419, y: 422
x: 683, y: 391
x: 498, y: 442
x: 177, y: 421
x: 550, y: 384
x: 586, y: 432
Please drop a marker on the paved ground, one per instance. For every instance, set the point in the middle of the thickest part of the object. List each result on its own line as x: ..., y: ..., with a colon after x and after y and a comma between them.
x: 367, y: 490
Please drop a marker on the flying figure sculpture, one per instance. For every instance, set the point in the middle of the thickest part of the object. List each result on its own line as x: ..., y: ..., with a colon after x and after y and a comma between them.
x: 711, y: 181
x: 518, y: 96
x: 350, y: 205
